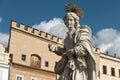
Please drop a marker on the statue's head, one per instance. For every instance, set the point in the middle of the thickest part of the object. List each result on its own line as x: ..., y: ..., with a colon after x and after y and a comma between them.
x: 73, y: 12
x: 71, y: 19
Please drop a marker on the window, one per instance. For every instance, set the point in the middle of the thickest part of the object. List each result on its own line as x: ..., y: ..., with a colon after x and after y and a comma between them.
x: 35, y: 61
x: 112, y: 71
x: 104, y: 69
x: 32, y: 78
x: 23, y: 57
x: 46, y: 63
x: 119, y: 72
x: 19, y: 77
x: 11, y: 58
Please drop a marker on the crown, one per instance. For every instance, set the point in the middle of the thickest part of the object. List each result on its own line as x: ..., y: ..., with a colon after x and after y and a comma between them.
x: 71, y: 7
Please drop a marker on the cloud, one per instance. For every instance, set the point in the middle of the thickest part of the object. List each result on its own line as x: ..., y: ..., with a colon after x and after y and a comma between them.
x: 108, y: 40
x: 0, y: 19
x: 55, y: 27
x: 4, y: 38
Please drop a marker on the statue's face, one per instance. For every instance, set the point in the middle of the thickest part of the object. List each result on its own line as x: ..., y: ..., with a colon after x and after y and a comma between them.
x: 69, y: 21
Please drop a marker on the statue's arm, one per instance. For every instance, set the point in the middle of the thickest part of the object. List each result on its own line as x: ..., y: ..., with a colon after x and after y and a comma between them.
x: 80, y: 49
x: 56, y: 49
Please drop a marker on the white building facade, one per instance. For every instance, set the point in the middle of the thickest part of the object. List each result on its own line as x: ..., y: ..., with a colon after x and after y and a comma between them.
x: 4, y: 64
x: 109, y: 67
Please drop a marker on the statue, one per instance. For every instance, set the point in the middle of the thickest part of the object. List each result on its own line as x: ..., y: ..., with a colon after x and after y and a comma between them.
x: 77, y: 62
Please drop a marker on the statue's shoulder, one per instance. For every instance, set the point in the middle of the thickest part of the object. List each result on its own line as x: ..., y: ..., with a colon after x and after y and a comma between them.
x: 85, y: 28
x: 85, y: 31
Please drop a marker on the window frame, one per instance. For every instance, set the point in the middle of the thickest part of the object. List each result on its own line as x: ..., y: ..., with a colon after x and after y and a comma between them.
x: 104, y: 69
x: 23, y: 57
x: 18, y: 75
x: 119, y: 72
x: 112, y: 71
x: 46, y: 64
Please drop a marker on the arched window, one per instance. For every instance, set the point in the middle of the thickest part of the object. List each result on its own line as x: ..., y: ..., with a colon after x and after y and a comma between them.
x: 35, y: 61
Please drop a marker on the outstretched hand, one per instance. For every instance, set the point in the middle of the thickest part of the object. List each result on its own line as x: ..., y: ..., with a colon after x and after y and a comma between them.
x: 51, y: 47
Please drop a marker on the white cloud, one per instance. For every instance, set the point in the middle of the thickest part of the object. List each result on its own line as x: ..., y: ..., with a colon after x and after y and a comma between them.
x: 4, y: 39
x: 55, y: 26
x: 0, y: 19
x: 108, y: 40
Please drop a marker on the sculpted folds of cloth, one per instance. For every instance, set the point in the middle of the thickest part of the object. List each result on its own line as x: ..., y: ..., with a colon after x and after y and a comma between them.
x: 77, y: 62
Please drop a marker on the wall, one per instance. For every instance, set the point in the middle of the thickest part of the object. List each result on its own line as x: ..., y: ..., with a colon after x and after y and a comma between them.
x: 109, y: 61
x: 28, y: 42
x: 4, y: 66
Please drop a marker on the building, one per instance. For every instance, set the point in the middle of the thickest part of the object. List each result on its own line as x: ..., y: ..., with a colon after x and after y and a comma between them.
x: 108, y: 66
x: 32, y: 60
x: 4, y: 63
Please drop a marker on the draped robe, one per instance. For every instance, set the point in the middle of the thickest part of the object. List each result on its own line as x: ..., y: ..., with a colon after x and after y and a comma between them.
x: 81, y: 64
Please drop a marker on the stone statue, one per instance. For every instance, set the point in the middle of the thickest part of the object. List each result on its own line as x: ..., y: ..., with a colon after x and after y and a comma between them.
x: 77, y: 62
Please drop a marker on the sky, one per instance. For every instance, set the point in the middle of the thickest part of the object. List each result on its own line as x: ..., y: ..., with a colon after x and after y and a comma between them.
x: 102, y: 16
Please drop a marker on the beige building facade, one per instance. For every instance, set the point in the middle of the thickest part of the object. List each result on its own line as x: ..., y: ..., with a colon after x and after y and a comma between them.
x: 32, y: 60
x: 108, y: 66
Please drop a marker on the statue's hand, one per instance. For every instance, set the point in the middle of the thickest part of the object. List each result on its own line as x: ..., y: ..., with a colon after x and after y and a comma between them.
x: 51, y: 47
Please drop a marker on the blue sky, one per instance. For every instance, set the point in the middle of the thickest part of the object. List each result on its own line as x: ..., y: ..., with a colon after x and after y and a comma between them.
x: 101, y: 15
x: 98, y: 14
